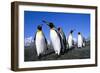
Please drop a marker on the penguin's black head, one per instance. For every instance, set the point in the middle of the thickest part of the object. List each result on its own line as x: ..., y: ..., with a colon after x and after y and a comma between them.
x: 71, y: 31
x: 79, y: 33
x: 39, y: 27
x: 59, y: 28
x: 51, y: 25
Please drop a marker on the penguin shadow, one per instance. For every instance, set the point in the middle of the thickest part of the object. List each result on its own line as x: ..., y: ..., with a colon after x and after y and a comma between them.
x: 45, y: 55
x: 50, y: 54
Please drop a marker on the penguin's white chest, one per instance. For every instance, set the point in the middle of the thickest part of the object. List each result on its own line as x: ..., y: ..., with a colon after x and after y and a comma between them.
x: 70, y: 41
x: 55, y: 40
x: 40, y: 43
x: 80, y: 41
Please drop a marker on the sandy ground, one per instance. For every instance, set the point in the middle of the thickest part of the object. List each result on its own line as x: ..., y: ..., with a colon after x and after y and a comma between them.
x: 74, y: 53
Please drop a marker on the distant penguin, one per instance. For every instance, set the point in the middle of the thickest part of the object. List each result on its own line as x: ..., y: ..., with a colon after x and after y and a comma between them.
x: 80, y: 41
x: 55, y: 38
x: 63, y: 39
x: 40, y: 41
x: 84, y: 42
x: 70, y: 41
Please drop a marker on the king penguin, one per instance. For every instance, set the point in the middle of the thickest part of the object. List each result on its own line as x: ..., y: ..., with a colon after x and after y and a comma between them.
x: 63, y: 38
x: 55, y: 38
x: 40, y: 41
x: 70, y: 40
x: 81, y: 41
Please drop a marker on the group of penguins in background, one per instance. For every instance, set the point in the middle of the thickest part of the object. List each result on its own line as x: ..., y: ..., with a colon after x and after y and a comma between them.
x: 58, y: 40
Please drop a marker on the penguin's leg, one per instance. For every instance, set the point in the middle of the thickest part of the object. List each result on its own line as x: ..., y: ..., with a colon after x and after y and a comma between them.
x: 80, y: 46
x: 37, y: 52
x: 38, y: 55
x: 56, y: 52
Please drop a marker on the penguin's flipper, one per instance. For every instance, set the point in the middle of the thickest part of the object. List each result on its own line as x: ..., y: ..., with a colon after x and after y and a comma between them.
x: 64, y: 40
x: 45, y: 39
x: 58, y: 34
x: 61, y: 42
x: 73, y: 42
x: 35, y: 36
x: 46, y: 42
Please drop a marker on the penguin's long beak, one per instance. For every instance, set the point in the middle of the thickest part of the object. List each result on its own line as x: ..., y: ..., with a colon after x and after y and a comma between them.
x: 47, y: 23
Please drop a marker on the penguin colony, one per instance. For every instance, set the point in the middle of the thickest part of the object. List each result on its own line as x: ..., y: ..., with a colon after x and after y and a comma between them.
x: 58, y: 40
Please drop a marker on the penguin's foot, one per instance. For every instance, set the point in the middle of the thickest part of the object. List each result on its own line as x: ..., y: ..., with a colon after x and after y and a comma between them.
x: 56, y: 52
x: 63, y: 51
x: 57, y: 56
x: 39, y: 57
x: 79, y: 47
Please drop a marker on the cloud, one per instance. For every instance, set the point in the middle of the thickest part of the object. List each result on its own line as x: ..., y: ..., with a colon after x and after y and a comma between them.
x: 28, y: 41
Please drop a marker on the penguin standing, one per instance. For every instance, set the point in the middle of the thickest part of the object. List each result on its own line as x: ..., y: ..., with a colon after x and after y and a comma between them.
x: 81, y: 41
x: 84, y: 42
x: 40, y: 41
x: 70, y: 41
x: 63, y: 39
x: 55, y: 38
